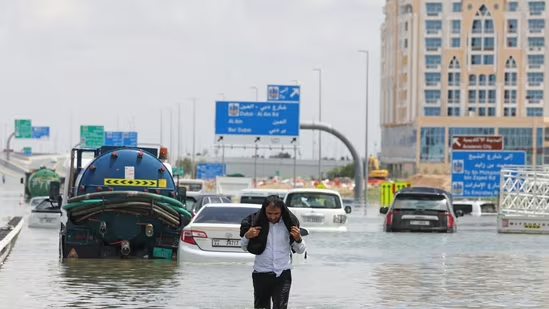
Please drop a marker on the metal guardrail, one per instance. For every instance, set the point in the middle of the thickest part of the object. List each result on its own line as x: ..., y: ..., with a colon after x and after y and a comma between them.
x: 8, y: 236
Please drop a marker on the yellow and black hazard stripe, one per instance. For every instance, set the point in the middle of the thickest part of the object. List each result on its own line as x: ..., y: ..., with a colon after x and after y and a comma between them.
x: 532, y: 225
x: 130, y: 182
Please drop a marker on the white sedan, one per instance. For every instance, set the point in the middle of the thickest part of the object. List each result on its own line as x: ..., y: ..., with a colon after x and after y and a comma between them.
x: 214, y: 235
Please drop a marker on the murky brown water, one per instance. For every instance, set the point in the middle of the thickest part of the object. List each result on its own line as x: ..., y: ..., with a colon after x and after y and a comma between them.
x: 365, y: 268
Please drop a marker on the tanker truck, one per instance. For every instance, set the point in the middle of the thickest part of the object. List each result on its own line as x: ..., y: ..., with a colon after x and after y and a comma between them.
x: 37, y: 182
x: 123, y: 204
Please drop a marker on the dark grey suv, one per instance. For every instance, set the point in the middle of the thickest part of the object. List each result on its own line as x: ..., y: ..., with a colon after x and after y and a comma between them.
x: 421, y: 209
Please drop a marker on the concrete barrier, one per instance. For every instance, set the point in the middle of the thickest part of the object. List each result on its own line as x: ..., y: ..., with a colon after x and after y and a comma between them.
x: 8, y: 236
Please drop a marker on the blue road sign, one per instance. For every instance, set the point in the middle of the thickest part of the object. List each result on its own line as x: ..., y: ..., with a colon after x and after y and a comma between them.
x: 41, y: 132
x: 114, y: 138
x: 256, y: 122
x: 27, y: 151
x: 121, y: 139
x: 281, y: 93
x: 130, y: 139
x: 209, y: 170
x: 477, y: 173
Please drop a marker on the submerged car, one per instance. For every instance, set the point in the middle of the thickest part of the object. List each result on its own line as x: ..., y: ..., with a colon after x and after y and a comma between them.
x: 47, y: 214
x: 214, y: 234
x: 421, y: 209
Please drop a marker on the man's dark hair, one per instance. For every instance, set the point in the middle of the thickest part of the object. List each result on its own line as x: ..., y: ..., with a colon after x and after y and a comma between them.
x: 273, y: 200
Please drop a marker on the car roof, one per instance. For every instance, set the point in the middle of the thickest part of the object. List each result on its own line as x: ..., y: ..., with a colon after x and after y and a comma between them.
x: 199, y: 194
x: 312, y: 190
x: 240, y: 205
x: 423, y: 190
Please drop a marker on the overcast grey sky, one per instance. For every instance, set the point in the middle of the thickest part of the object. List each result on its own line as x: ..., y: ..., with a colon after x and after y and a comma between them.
x: 112, y: 63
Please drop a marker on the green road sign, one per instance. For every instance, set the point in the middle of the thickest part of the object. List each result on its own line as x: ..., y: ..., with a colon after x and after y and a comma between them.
x: 92, y: 136
x: 177, y: 171
x: 27, y: 151
x: 23, y: 128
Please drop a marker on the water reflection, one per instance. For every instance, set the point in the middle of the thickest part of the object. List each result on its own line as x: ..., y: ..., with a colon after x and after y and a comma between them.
x: 119, y: 283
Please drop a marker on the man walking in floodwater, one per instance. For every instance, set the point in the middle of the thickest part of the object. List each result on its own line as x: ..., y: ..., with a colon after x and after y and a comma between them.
x: 272, y: 234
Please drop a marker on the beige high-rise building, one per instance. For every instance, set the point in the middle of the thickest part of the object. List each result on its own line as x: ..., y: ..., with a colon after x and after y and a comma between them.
x: 470, y: 67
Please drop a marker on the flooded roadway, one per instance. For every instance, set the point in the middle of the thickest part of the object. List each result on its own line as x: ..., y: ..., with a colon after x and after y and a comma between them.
x: 365, y: 268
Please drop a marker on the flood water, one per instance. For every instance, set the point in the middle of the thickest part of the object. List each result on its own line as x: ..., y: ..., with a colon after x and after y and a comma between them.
x: 364, y: 268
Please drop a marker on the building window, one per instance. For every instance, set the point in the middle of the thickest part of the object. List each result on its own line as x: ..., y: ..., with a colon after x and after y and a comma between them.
x: 489, y: 44
x: 433, y: 26
x: 534, y: 111
x: 536, y: 8
x: 476, y: 59
x: 488, y: 59
x: 432, y: 144
x: 536, y: 25
x: 482, y: 80
x: 456, y: 42
x: 510, y: 78
x: 536, y: 61
x: 472, y: 96
x: 454, y: 78
x: 512, y: 26
x: 433, y: 44
x: 536, y: 42
x: 488, y: 26
x: 454, y: 96
x: 432, y: 79
x: 534, y: 96
x: 456, y: 7
x: 492, y: 80
x: 492, y: 96
x: 453, y: 111
x: 510, y: 63
x: 432, y: 61
x: 432, y: 96
x: 472, y: 80
x: 518, y: 139
x: 512, y: 6
x: 433, y: 9
x: 510, y: 96
x: 509, y: 111
x: 431, y: 111
x: 456, y: 26
x: 535, y: 79
x: 512, y: 42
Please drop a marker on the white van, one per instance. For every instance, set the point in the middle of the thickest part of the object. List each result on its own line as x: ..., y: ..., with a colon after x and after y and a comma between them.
x: 257, y: 196
x: 476, y: 208
x: 192, y: 185
x: 318, y: 210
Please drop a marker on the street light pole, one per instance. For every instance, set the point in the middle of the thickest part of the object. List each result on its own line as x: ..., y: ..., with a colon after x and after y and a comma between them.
x: 171, y: 140
x: 256, y: 93
x: 161, y: 127
x: 193, y: 172
x: 320, y: 121
x: 366, y: 167
x: 178, y: 132
x: 256, y: 148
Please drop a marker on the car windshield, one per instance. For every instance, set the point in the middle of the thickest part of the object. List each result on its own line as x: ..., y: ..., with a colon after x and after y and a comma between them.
x: 47, y: 205
x: 313, y: 200
x: 420, y: 201
x: 252, y: 199
x: 37, y: 201
x: 224, y: 215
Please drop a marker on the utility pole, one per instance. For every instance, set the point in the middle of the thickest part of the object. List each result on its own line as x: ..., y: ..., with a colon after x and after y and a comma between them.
x: 320, y: 121
x: 366, y: 125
